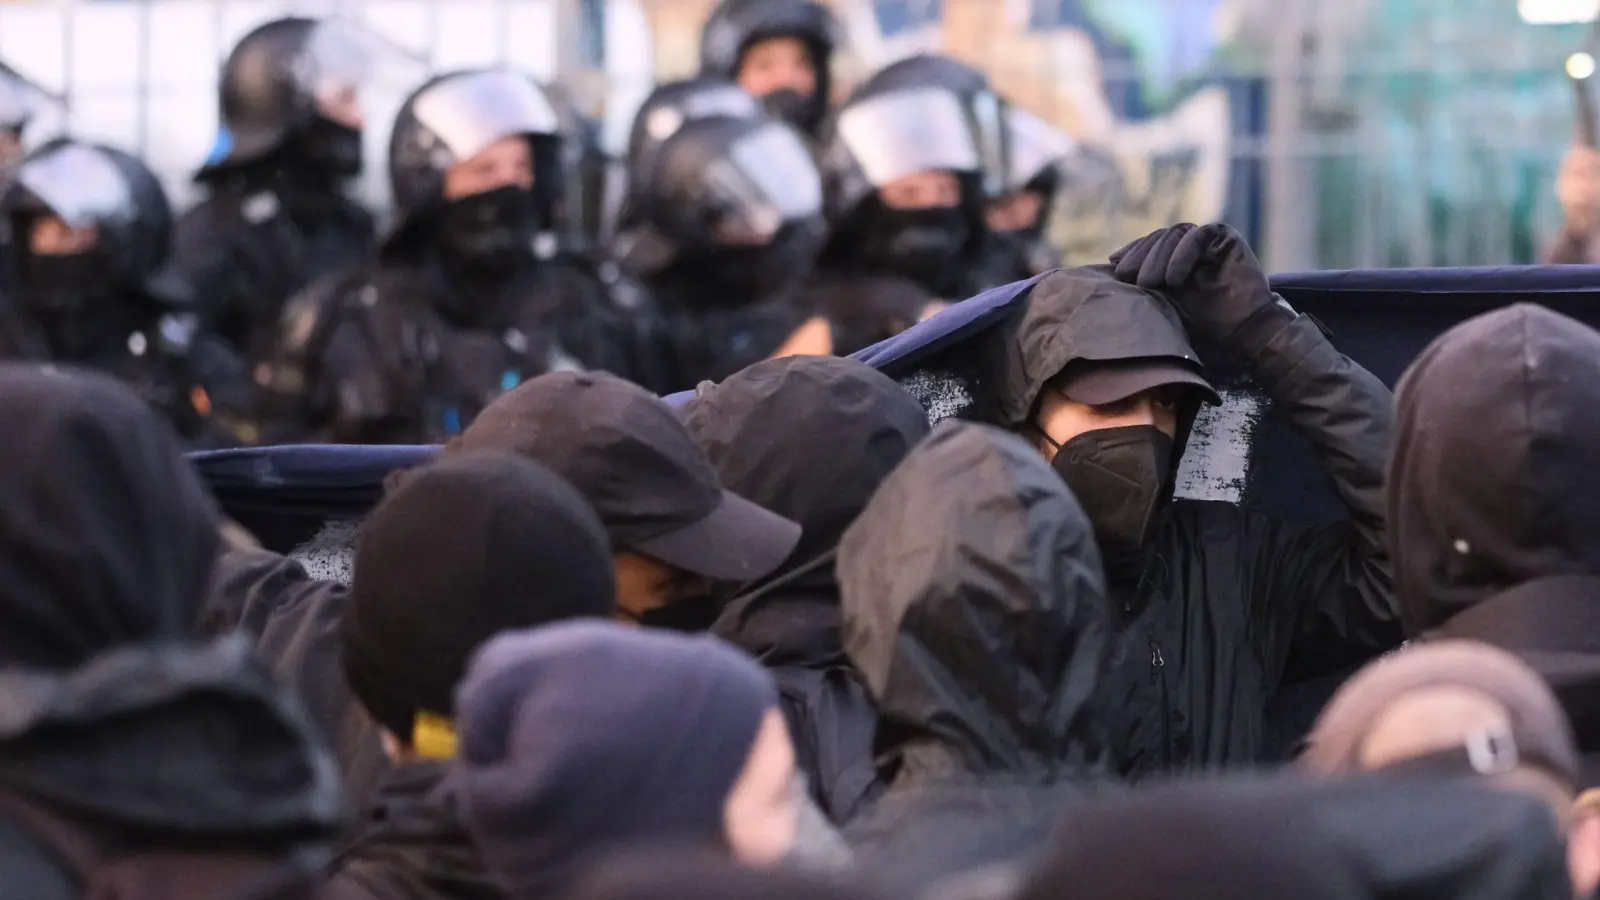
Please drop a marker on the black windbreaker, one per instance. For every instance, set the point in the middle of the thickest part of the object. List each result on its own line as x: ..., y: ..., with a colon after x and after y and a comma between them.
x: 255, y: 241
x: 1232, y: 595
x: 401, y: 353
x: 412, y: 845
x: 112, y: 714
x: 975, y: 610
x: 775, y: 432
x: 1495, y: 512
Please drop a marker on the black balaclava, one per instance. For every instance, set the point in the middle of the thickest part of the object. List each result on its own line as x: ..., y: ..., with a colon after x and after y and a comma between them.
x: 1122, y: 476
x: 65, y: 284
x: 733, y: 276
x: 326, y: 147
x: 925, y: 245
x: 491, y: 232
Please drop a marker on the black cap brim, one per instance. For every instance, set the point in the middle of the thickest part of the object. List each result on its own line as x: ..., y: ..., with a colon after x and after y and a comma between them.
x: 738, y: 541
x: 1108, y: 384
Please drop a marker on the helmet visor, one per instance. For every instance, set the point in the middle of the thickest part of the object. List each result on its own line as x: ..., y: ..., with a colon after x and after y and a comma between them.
x: 467, y: 113
x: 80, y: 185
x: 764, y: 181
x: 894, y: 135
x: 1034, y: 145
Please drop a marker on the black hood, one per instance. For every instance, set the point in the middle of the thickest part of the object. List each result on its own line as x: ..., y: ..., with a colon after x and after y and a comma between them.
x: 975, y: 610
x: 1083, y: 315
x: 109, y: 534
x: 777, y: 434
x: 172, y: 741
x: 1491, y: 479
x: 414, y: 844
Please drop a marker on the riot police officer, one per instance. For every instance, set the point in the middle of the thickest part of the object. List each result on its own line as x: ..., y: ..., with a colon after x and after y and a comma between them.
x: 725, y: 222
x: 778, y: 50
x: 903, y: 176
x: 660, y: 116
x: 470, y: 293
x: 1023, y: 197
x: 276, y: 215
x: 93, y: 239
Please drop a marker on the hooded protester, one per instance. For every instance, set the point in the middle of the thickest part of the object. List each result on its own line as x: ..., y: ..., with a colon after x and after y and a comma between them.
x: 276, y: 215
x: 774, y: 432
x: 94, y: 287
x: 523, y: 549
x: 584, y: 740
x: 674, y: 533
x: 132, y: 754
x: 673, y: 876
x: 472, y: 291
x: 981, y: 631
x: 1494, y: 533
x: 1365, y: 840
x: 724, y: 221
x: 1211, y: 601
x: 1461, y: 710
x: 903, y: 174
x: 779, y: 50
x: 1022, y: 198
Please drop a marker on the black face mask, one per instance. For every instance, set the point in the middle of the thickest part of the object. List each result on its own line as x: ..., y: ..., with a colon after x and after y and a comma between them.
x: 793, y: 107
x: 745, y: 275
x: 924, y: 245
x: 331, y: 148
x: 689, y: 614
x: 1120, y: 475
x: 65, y: 283
x: 493, y: 230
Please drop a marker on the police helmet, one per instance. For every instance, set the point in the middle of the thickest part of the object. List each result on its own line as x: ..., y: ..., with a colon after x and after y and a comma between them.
x: 275, y: 77
x: 726, y: 183
x: 922, y: 113
x: 583, y: 165
x: 90, y: 185
x: 735, y: 25
x: 668, y: 108
x: 454, y: 117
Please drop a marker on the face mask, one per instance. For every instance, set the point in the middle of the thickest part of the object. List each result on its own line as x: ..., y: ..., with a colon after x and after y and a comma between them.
x: 1120, y: 477
x: 922, y: 244
x: 689, y: 615
x: 492, y: 230
x: 332, y: 148
x: 749, y: 274
x: 791, y: 106
x: 63, y: 283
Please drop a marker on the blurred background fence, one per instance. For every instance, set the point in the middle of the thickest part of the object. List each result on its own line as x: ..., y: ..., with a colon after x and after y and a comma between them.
x: 1336, y: 133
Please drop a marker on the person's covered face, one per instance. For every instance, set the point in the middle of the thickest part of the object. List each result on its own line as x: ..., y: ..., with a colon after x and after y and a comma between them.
x: 1109, y: 433
x: 1014, y: 212
x: 922, y: 191
x: 50, y: 236
x: 783, y: 73
x: 762, y: 812
x: 58, y: 271
x: 490, y: 215
x: 657, y: 595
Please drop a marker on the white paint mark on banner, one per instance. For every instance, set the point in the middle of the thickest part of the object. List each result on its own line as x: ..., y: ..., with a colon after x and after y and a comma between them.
x: 1217, y: 461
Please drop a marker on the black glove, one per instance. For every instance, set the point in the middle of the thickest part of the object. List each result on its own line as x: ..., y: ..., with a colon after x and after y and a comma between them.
x: 1210, y: 274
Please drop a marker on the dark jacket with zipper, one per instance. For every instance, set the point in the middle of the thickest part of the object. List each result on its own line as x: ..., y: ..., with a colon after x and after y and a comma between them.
x: 1495, y: 512
x: 774, y: 432
x: 412, y: 845
x: 974, y: 608
x: 1230, y: 595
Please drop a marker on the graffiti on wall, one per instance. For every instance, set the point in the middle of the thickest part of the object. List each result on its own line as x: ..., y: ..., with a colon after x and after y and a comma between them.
x: 1127, y: 79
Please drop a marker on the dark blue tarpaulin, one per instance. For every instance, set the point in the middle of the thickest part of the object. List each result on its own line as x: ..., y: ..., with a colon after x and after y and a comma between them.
x: 1382, y: 319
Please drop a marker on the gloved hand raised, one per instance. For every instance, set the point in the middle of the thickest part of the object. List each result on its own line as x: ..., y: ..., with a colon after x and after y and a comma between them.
x: 1208, y: 272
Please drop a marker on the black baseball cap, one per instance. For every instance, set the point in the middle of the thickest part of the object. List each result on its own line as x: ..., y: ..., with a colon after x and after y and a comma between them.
x: 628, y: 454
x: 1097, y: 382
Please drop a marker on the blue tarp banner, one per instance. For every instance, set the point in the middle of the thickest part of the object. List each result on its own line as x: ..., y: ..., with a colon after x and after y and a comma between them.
x: 1382, y: 319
